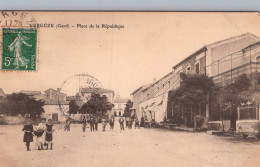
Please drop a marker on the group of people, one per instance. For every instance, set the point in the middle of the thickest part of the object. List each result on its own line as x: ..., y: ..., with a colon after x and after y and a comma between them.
x: 43, y: 132
x: 129, y: 121
x: 94, y: 123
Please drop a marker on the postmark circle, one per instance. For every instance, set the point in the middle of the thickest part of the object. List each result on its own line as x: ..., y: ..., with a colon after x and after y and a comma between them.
x: 72, y: 87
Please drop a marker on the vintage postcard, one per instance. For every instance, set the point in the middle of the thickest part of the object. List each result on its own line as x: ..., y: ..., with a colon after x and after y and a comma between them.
x: 132, y: 89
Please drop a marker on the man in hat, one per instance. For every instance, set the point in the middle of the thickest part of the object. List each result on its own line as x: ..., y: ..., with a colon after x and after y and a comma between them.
x: 91, y: 122
x: 96, y: 123
x: 121, y: 122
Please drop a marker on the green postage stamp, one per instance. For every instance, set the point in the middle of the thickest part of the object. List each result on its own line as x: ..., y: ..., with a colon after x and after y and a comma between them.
x: 19, y: 49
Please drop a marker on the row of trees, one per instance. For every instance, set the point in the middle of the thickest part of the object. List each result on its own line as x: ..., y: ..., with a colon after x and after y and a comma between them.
x: 20, y: 103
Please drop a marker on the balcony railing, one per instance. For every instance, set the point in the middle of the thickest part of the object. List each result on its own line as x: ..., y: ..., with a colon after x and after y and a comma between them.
x: 230, y: 76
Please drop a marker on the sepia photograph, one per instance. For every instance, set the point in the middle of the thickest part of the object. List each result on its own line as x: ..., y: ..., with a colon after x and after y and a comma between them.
x: 132, y: 89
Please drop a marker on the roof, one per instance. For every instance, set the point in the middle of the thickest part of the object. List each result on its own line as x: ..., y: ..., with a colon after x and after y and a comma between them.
x: 69, y: 98
x: 30, y: 93
x: 121, y: 100
x: 96, y: 90
x: 142, y: 87
x: 55, y: 102
x: 2, y: 92
x: 152, y: 84
x: 39, y: 96
x: 250, y: 46
x: 233, y: 39
x: 134, y: 92
x: 51, y: 89
x: 205, y: 47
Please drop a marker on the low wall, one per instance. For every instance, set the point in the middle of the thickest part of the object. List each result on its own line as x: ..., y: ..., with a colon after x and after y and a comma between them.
x: 12, y: 120
x: 217, y: 125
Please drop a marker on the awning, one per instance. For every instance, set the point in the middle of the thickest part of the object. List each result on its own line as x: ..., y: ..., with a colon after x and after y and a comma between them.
x: 160, y: 103
x: 152, y: 104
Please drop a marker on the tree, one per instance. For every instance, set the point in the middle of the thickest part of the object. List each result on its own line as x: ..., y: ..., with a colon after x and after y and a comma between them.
x: 231, y: 96
x: 97, y: 104
x: 20, y: 103
x: 195, y: 91
x: 128, y: 106
x: 73, y: 107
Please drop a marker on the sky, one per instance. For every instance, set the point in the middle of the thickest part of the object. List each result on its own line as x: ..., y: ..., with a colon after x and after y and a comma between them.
x: 148, y: 46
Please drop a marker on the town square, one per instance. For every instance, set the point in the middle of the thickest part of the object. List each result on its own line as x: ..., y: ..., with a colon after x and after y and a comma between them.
x: 132, y: 147
x: 150, y: 91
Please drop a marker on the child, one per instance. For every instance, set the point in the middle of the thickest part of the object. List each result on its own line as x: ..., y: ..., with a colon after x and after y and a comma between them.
x: 39, y: 133
x: 49, y: 131
x: 28, y: 134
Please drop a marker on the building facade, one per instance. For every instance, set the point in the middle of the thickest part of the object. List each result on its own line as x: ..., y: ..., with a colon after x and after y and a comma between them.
x: 85, y: 95
x: 217, y: 60
x: 55, y: 105
x: 119, y: 106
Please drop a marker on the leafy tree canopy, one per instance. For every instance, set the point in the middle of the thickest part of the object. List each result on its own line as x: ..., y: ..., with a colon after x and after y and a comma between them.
x: 73, y: 107
x: 128, y: 106
x: 97, y: 104
x: 20, y: 103
x: 194, y: 89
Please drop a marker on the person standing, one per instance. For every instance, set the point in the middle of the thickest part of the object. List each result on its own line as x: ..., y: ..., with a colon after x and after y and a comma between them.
x: 142, y: 122
x: 28, y: 134
x: 84, y: 124
x: 112, y: 122
x: 126, y: 122
x: 104, y: 123
x: 91, y: 122
x: 67, y: 125
x: 130, y: 123
x: 49, y: 134
x: 137, y: 123
x: 40, y: 129
x: 96, y: 123
x: 121, y: 122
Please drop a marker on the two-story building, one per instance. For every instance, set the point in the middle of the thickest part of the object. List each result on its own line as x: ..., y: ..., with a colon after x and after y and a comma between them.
x: 55, y: 105
x: 216, y: 60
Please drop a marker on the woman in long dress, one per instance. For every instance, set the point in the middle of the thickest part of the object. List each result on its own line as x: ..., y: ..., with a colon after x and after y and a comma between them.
x: 19, y: 59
